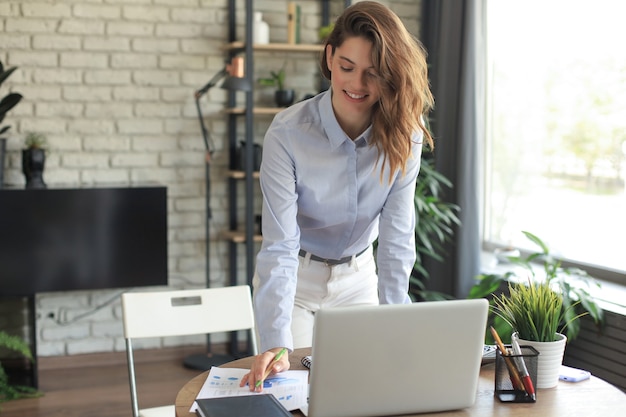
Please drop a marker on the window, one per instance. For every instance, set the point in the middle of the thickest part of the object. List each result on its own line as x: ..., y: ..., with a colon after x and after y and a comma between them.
x: 556, y: 147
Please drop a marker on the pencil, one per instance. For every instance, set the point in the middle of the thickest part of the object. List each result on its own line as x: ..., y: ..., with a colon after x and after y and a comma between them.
x: 514, y: 374
x: 269, y: 367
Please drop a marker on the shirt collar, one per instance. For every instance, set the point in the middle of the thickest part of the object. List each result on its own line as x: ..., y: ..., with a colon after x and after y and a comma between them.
x: 334, y: 132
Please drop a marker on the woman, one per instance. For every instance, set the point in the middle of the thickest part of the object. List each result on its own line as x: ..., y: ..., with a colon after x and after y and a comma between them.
x: 339, y: 172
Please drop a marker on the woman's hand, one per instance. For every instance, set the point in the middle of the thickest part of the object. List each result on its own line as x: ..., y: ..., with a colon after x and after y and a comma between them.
x: 259, y: 367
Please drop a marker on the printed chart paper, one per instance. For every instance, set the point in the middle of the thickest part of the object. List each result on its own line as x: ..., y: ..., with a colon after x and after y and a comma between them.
x: 290, y: 387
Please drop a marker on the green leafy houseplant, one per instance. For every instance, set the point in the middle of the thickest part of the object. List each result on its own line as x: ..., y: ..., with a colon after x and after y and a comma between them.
x: 10, y: 100
x: 435, y: 224
x: 282, y: 96
x: 35, y: 140
x: 325, y: 31
x: 7, y: 103
x: 540, y: 307
x: 276, y: 79
x: 533, y: 310
x: 7, y: 390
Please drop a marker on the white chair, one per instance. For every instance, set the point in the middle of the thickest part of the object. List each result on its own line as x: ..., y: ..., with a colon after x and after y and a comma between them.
x: 181, y: 313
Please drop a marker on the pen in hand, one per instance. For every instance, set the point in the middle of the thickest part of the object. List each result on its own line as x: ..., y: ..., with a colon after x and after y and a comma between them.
x: 269, y: 367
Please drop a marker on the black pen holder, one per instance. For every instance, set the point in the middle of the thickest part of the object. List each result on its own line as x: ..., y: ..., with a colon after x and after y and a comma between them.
x: 508, y: 388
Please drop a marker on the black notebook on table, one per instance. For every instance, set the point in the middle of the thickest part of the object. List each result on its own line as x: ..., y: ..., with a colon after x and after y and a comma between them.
x: 256, y: 405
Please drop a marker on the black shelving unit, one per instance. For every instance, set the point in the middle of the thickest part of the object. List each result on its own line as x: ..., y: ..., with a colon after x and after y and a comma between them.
x: 246, y: 174
x: 234, y: 159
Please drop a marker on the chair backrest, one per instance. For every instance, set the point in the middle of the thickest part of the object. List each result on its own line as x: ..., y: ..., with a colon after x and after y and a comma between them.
x: 183, y: 313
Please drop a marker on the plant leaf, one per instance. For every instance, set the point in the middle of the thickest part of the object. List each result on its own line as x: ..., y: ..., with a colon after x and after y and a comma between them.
x: 9, y: 101
x: 6, y: 74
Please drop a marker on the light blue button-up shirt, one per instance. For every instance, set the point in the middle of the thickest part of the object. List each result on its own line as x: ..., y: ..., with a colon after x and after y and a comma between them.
x: 323, y: 193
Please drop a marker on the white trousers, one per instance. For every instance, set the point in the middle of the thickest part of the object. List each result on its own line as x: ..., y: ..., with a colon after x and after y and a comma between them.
x: 348, y: 284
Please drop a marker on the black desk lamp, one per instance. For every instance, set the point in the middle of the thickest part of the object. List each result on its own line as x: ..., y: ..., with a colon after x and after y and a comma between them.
x: 235, y: 81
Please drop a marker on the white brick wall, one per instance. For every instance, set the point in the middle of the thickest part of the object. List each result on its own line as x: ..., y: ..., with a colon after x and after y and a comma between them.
x: 111, y: 82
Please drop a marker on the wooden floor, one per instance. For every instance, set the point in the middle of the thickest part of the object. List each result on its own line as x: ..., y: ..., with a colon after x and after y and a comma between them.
x: 96, y: 385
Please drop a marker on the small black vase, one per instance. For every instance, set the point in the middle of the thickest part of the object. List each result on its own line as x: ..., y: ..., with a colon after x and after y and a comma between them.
x: 284, y: 98
x: 33, y: 161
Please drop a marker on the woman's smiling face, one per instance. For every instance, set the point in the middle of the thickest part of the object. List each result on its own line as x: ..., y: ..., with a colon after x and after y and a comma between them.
x: 353, y: 79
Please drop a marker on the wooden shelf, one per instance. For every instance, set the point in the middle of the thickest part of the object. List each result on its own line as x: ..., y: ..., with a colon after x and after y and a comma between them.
x: 239, y: 236
x: 240, y: 175
x: 277, y: 47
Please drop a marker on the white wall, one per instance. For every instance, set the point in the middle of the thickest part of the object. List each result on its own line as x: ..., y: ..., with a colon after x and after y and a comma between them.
x: 111, y: 82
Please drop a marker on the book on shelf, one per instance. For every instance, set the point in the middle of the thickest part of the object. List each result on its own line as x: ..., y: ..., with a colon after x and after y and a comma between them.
x: 294, y: 22
x: 298, y: 23
x: 254, y: 405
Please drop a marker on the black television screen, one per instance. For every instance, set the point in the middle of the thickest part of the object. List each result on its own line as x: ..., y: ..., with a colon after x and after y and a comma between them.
x: 82, y: 239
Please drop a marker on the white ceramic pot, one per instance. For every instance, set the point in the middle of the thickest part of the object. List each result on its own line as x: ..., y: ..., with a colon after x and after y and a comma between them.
x: 549, y: 360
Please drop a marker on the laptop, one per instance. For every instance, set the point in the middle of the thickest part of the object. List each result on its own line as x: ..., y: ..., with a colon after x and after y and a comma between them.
x: 396, y: 359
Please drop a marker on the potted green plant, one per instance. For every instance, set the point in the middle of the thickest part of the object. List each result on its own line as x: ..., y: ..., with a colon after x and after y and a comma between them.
x: 34, y: 140
x: 573, y: 285
x: 533, y: 310
x: 10, y: 391
x: 33, y: 159
x: 542, y: 312
x: 10, y: 100
x: 282, y: 96
x: 535, y: 313
x: 7, y: 103
x: 435, y: 227
x: 324, y: 31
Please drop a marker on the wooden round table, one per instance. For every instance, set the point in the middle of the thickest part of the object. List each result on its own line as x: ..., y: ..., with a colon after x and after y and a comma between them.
x: 591, y: 398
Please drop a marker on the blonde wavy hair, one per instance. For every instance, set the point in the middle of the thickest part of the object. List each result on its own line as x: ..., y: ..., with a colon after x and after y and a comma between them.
x: 400, y: 61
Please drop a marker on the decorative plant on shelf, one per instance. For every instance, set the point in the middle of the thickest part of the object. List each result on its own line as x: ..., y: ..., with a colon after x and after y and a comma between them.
x: 539, y: 307
x: 436, y: 219
x: 9, y: 391
x: 276, y: 79
x: 35, y: 140
x: 324, y: 31
x: 283, y: 97
x: 33, y: 159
